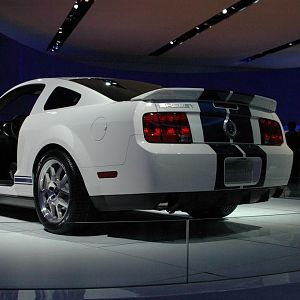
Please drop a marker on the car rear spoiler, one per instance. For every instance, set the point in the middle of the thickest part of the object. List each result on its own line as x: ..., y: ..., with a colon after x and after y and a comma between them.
x: 197, y: 94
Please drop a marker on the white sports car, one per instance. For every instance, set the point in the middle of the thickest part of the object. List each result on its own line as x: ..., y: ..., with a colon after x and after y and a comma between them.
x: 73, y: 144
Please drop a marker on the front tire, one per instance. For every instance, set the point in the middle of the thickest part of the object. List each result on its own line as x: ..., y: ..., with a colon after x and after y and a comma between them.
x: 216, y: 212
x: 60, y: 195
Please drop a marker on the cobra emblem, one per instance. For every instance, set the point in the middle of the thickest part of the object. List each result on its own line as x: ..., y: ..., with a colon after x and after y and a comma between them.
x: 230, y: 128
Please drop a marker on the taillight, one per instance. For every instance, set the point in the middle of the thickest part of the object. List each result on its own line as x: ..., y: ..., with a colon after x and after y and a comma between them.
x: 270, y: 132
x: 167, y: 128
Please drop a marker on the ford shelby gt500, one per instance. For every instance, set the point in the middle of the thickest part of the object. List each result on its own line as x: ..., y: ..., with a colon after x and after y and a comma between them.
x: 75, y: 144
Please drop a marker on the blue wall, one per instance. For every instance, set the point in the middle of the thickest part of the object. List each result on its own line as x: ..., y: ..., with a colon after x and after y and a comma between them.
x: 20, y: 63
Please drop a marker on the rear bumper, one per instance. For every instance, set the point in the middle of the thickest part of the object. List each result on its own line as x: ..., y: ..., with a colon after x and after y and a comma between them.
x: 184, y: 201
x: 157, y: 169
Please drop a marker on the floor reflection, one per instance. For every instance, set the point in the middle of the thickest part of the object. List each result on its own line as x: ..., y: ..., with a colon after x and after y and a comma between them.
x: 215, y: 230
x: 150, y: 248
x: 253, y: 246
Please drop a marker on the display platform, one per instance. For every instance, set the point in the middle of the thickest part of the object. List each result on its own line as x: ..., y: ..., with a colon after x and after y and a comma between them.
x: 134, y: 254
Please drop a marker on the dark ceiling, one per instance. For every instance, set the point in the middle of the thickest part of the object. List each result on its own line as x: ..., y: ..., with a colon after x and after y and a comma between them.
x: 122, y: 33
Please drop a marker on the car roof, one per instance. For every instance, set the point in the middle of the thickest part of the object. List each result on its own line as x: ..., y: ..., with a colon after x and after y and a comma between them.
x: 113, y: 88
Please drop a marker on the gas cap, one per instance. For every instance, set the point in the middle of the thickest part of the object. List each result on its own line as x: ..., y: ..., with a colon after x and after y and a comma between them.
x: 98, y: 128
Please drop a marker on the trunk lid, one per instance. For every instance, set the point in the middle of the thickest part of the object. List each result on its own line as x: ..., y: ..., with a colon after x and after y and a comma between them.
x: 225, y: 116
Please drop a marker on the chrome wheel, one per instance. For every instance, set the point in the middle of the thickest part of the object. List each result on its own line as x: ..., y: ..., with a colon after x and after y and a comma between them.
x: 53, y: 191
x: 60, y: 197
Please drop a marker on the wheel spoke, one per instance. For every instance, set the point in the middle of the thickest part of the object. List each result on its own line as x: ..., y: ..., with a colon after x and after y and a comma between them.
x: 63, y: 181
x: 52, y: 172
x: 48, y: 200
x: 58, y: 172
x: 43, y: 194
x: 46, y: 181
x: 52, y: 209
x: 58, y: 211
x: 63, y: 203
x: 64, y: 192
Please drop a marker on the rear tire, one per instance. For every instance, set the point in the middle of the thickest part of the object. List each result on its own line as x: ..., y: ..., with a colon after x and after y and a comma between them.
x: 216, y: 212
x: 60, y: 195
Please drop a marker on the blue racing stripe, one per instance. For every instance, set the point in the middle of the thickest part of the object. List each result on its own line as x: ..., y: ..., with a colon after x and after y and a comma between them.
x: 23, y: 180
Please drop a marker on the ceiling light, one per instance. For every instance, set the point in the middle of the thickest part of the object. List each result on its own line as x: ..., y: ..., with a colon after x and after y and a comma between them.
x: 214, y: 20
x: 271, y: 51
x: 77, y: 12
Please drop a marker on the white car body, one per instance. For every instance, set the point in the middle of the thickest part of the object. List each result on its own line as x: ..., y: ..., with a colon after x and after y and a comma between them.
x: 103, y: 135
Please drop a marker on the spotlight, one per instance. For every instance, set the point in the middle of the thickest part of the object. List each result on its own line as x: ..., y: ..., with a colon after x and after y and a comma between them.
x: 224, y: 11
x: 76, y: 6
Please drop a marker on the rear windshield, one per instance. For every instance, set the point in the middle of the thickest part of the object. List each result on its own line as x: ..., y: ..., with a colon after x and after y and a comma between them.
x: 116, y: 90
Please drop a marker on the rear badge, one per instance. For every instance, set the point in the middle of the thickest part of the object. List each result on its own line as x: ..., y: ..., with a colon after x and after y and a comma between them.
x: 175, y: 105
x: 230, y: 128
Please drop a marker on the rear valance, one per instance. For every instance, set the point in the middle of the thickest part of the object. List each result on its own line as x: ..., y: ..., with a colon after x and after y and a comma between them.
x: 197, y: 94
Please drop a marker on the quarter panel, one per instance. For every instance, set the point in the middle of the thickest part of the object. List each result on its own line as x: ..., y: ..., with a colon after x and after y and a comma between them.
x: 72, y: 128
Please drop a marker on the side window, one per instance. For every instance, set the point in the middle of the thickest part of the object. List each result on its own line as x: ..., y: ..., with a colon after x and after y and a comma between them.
x: 62, y: 97
x: 20, y: 101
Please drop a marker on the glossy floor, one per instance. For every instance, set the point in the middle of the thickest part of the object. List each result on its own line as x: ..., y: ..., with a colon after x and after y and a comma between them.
x: 150, y: 248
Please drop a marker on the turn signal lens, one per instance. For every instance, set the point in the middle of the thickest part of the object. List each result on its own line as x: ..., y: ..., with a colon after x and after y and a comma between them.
x: 107, y: 174
x: 167, y: 128
x: 270, y: 132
